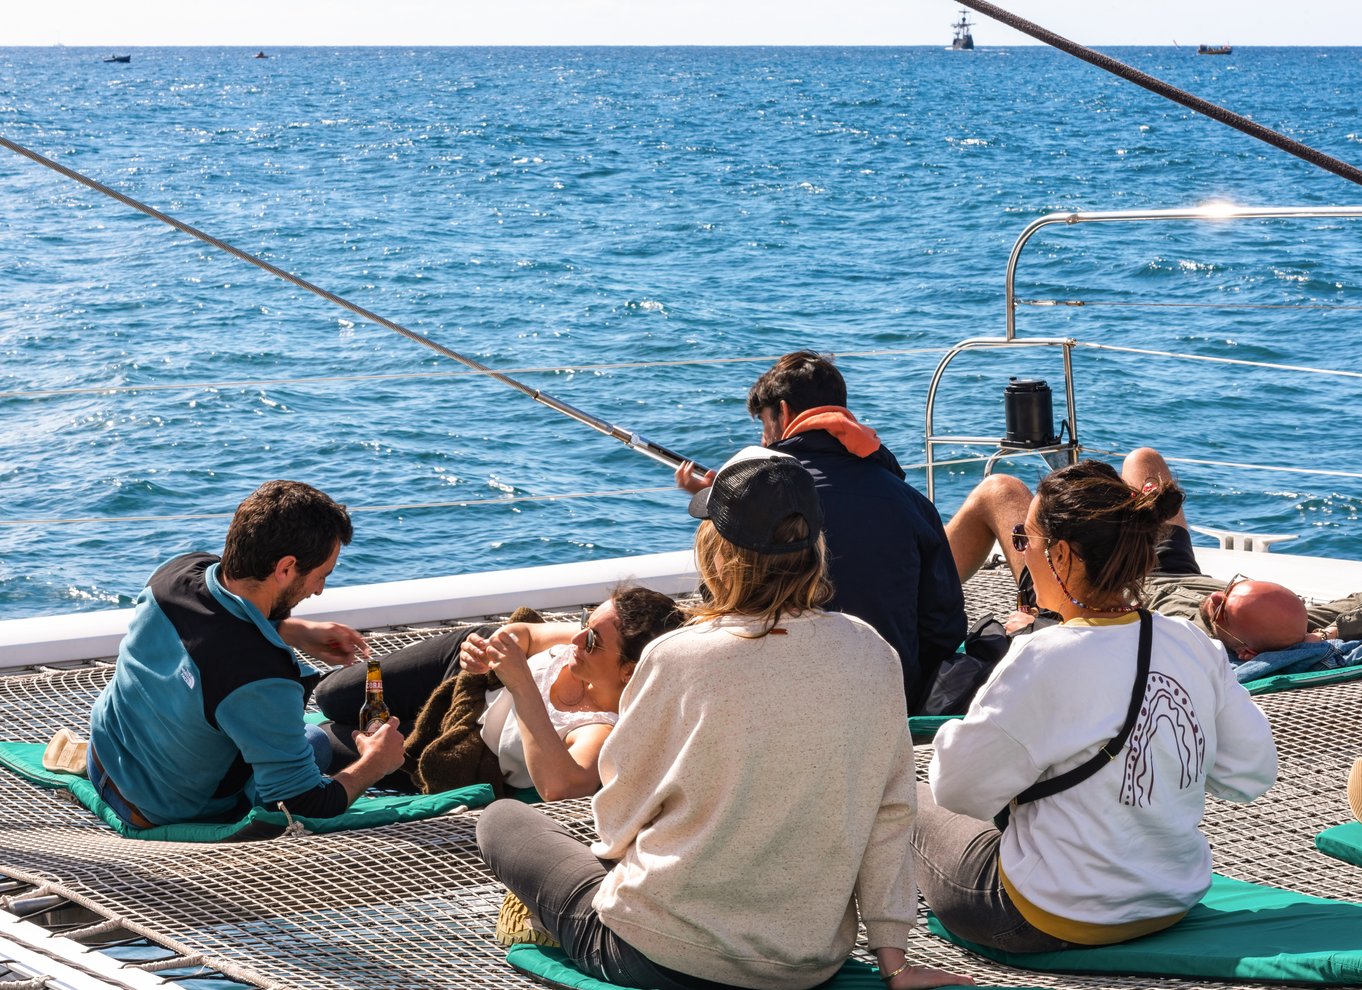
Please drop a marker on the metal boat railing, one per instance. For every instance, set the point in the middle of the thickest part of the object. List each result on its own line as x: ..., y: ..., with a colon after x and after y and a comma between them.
x: 1070, y: 448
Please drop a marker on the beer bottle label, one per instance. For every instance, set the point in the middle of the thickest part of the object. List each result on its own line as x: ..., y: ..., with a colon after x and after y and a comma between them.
x: 373, y: 684
x: 373, y: 725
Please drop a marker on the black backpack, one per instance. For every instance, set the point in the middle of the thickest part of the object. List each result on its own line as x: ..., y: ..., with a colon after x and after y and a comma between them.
x: 960, y: 676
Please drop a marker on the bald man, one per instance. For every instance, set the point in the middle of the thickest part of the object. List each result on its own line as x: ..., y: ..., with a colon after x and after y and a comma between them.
x: 1252, y: 617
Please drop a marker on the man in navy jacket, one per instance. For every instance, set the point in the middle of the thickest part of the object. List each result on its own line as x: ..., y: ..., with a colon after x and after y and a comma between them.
x: 888, y: 557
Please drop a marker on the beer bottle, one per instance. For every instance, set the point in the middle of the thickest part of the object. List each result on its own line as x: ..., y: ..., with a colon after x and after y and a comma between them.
x: 374, y: 714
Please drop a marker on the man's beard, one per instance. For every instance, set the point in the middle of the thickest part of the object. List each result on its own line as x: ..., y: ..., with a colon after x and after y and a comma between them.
x: 289, y: 597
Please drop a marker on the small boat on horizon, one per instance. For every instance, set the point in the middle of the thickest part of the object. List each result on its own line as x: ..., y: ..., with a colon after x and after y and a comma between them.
x: 963, y: 41
x: 119, y: 58
x: 1214, y: 49
x: 261, y: 55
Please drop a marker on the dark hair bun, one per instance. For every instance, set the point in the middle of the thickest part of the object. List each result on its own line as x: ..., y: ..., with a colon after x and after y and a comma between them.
x: 1155, y: 503
x: 1111, y: 527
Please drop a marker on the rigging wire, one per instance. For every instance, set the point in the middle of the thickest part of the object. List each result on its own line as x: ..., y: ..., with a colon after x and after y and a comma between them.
x: 1220, y: 360
x: 622, y: 492
x: 352, y: 509
x: 48, y: 393
x: 1170, y: 92
x: 629, y: 438
x: 1235, y: 464
x: 1122, y: 304
x: 44, y: 393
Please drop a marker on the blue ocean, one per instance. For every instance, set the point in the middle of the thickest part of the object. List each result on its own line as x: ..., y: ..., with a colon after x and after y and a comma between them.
x: 639, y: 232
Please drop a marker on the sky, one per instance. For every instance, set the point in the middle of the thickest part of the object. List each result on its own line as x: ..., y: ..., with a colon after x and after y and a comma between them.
x: 266, y: 23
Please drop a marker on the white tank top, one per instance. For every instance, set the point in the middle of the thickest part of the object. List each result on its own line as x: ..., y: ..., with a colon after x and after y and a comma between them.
x: 501, y: 731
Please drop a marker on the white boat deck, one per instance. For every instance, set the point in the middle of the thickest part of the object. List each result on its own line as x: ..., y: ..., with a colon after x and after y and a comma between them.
x: 95, y: 635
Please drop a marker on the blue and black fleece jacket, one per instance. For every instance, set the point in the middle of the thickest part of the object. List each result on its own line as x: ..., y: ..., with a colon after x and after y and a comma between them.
x: 204, y: 715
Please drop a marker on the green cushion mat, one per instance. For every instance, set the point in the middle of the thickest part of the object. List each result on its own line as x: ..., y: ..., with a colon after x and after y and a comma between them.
x: 923, y: 727
x: 551, y: 966
x: 1287, y: 682
x: 26, y: 759
x: 1342, y: 842
x: 1240, y: 931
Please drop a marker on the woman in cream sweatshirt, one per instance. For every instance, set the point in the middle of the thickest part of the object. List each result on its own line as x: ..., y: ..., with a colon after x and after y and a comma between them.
x: 759, y: 787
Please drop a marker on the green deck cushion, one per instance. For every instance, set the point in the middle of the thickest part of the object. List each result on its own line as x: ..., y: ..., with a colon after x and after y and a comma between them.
x: 1306, y: 678
x: 1342, y: 842
x: 551, y: 967
x: 26, y: 759
x: 923, y: 727
x: 1239, y: 931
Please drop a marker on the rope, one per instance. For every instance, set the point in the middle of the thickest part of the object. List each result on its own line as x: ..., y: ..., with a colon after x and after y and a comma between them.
x: 1161, y: 88
x: 1221, y: 360
x: 175, y: 962
x: 103, y: 927
x: 610, y: 366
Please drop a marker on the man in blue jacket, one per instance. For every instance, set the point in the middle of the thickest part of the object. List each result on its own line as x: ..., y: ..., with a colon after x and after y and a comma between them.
x: 204, y: 715
x: 888, y: 557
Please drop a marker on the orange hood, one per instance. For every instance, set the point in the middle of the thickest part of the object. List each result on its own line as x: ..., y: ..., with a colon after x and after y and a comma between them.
x: 837, y: 420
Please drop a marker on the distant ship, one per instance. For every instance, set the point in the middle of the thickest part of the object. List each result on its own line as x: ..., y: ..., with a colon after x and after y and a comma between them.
x: 1214, y: 49
x: 119, y: 58
x: 964, y: 41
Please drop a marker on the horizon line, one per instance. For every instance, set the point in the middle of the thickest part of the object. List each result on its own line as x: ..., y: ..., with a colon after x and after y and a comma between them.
x: 259, y: 46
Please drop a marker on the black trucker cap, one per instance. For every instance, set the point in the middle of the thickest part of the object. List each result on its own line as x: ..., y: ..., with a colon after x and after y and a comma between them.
x: 753, y: 493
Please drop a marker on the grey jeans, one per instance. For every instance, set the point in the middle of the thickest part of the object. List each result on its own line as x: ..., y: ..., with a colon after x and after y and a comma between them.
x: 557, y: 877
x: 957, y: 871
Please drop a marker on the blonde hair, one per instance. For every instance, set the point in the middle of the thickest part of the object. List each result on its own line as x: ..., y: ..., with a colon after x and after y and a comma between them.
x: 764, y: 585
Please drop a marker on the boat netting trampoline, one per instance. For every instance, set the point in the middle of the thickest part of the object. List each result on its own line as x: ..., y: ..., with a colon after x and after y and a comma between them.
x: 411, y: 905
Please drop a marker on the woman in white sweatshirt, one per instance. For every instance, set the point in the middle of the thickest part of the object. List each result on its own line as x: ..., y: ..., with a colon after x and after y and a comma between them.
x: 759, y: 786
x: 1117, y: 854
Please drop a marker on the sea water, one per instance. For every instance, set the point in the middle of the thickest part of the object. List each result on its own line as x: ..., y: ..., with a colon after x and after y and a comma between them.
x: 637, y: 232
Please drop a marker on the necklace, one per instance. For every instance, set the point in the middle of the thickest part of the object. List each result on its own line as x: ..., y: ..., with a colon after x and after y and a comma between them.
x: 1087, y: 608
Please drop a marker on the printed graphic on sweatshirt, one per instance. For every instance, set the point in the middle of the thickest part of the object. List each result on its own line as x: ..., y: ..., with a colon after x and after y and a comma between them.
x: 1167, y: 713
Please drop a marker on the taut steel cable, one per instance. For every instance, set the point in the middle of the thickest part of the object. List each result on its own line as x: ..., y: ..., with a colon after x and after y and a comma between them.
x: 629, y: 438
x: 1156, y: 85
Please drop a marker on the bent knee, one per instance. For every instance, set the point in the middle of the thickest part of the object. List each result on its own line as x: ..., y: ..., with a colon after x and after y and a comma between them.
x: 1000, y: 489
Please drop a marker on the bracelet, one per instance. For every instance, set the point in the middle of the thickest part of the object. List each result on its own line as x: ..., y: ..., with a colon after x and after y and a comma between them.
x: 906, y: 965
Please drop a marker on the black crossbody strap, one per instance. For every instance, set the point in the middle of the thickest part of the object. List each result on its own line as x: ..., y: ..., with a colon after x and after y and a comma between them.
x: 1108, y: 752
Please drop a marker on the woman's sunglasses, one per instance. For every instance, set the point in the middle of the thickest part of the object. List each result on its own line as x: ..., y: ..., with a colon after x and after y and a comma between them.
x: 1021, y: 539
x: 592, y: 639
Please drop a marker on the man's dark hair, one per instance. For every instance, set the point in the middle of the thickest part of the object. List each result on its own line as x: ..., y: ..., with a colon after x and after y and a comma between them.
x: 283, y: 519
x: 804, y: 379
x: 643, y: 615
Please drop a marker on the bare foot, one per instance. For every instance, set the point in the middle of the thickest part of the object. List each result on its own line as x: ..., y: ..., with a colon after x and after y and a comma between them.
x: 925, y: 977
